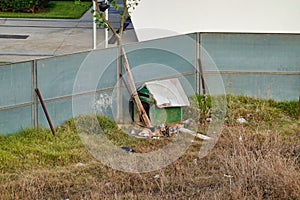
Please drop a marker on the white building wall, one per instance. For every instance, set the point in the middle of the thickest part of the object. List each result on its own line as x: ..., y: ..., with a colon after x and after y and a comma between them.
x: 160, y: 18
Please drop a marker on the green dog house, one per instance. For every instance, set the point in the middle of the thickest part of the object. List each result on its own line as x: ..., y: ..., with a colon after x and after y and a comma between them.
x: 163, y: 101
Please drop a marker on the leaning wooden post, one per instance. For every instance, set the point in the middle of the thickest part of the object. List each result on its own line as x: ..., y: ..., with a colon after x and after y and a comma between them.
x: 45, y: 110
x: 140, y: 108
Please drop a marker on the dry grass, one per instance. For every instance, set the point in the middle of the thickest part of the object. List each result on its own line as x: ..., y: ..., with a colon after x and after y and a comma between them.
x: 257, y: 160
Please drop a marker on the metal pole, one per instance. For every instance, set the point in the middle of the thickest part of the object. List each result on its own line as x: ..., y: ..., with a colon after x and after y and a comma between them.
x: 94, y: 27
x: 34, y: 98
x: 202, y: 79
x: 45, y: 110
x: 197, y: 55
x: 105, y: 29
x: 299, y: 108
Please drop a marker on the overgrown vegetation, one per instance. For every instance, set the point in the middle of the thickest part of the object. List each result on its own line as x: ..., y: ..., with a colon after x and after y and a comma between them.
x: 259, y: 159
x: 53, y: 9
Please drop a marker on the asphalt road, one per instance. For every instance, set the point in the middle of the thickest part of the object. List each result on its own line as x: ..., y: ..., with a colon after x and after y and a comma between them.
x: 27, y: 39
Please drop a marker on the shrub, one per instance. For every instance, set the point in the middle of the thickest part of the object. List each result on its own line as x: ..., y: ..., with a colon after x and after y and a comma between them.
x: 22, y: 5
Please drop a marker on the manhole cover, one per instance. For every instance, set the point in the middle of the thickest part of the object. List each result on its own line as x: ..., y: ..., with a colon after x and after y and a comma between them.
x: 14, y: 36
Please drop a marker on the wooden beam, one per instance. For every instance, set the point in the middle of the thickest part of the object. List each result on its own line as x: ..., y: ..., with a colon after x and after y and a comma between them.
x: 140, y: 108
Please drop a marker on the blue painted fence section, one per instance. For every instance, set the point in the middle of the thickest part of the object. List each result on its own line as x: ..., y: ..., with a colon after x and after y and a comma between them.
x: 258, y: 65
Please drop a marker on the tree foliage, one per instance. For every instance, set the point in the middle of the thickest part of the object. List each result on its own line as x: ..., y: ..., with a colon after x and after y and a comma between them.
x: 125, y: 10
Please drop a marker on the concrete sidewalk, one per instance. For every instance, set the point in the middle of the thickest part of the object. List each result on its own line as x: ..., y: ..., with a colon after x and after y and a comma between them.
x: 27, y: 39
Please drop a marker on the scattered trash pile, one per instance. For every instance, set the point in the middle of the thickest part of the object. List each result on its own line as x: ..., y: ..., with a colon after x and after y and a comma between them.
x: 158, y: 131
x: 161, y: 131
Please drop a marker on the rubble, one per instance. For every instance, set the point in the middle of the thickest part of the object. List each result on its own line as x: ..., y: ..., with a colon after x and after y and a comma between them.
x: 80, y: 164
x: 145, y: 133
x: 241, y: 120
x: 162, y: 131
x: 127, y: 149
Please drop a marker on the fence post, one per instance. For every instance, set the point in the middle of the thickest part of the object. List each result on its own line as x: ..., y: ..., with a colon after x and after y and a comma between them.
x: 199, y: 64
x: 197, y: 57
x: 299, y: 108
x: 34, y: 112
x: 119, y: 86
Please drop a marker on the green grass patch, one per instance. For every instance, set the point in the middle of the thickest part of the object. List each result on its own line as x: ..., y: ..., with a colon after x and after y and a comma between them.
x: 258, y: 111
x: 31, y: 149
x: 262, y: 160
x: 38, y: 148
x: 55, y: 10
x: 288, y: 107
x: 4, y: 63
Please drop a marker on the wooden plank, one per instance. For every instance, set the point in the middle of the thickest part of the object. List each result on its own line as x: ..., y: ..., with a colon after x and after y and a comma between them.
x: 140, y: 109
x: 198, y: 135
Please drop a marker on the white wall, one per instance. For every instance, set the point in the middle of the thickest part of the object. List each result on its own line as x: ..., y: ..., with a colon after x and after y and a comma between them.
x: 159, y: 18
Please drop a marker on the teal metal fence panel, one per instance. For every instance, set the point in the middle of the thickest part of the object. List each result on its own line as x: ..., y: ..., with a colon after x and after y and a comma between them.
x: 60, y: 79
x: 258, y: 65
x: 59, y: 112
x: 15, y: 119
x: 264, y: 86
x: 56, y: 75
x: 16, y: 97
x: 15, y: 84
x: 253, y: 52
x: 98, y: 71
x: 176, y: 53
